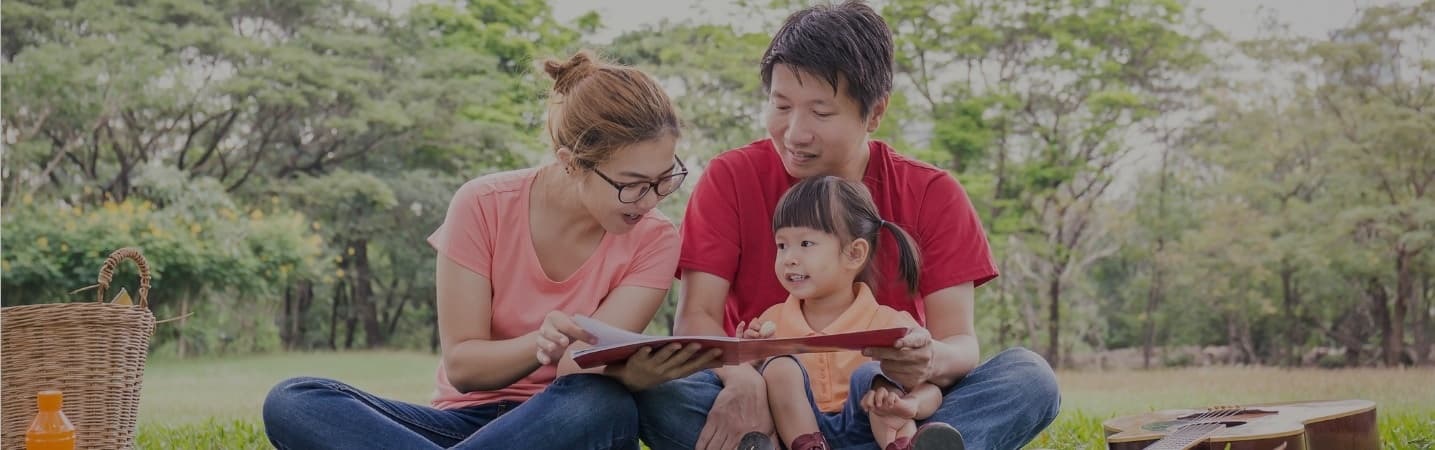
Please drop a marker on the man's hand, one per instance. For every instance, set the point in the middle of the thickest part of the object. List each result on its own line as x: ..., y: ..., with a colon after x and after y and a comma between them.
x: 909, y: 361
x: 740, y: 408
x: 647, y: 368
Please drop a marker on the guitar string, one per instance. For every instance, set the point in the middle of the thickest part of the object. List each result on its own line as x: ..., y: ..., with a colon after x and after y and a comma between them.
x: 1204, y: 428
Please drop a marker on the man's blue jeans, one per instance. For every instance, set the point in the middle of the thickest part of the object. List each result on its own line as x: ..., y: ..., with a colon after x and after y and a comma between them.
x: 582, y: 411
x: 1002, y: 404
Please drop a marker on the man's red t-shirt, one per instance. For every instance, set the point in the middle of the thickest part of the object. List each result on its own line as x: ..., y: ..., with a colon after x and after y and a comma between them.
x: 727, y: 230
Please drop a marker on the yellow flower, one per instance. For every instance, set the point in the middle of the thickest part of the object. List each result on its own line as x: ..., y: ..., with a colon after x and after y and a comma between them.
x: 127, y: 207
x: 42, y: 242
x: 338, y: 259
x: 110, y: 206
x: 194, y: 228
x: 64, y: 247
x: 27, y: 199
x: 351, y: 251
x: 316, y: 226
x: 339, y: 273
x: 5, y: 266
x: 256, y: 215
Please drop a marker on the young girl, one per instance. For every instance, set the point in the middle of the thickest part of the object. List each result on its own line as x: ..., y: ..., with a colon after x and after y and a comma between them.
x: 827, y: 230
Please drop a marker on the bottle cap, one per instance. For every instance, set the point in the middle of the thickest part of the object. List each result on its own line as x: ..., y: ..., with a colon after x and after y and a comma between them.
x: 50, y: 400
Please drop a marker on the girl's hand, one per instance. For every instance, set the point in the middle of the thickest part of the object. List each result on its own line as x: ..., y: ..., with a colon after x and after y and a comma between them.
x: 756, y: 331
x: 556, y: 334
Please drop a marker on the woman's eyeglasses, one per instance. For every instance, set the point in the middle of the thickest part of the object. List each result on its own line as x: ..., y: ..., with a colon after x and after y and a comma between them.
x: 632, y: 192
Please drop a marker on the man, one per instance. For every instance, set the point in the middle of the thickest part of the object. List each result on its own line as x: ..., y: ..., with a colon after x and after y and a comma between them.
x: 828, y: 75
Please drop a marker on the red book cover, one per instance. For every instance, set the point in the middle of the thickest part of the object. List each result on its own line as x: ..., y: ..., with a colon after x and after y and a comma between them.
x: 616, y: 345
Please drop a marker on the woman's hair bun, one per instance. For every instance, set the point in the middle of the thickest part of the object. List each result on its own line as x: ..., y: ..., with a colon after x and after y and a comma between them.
x: 566, y: 74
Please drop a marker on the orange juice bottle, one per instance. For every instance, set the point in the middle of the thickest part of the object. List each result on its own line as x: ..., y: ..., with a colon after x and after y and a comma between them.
x: 51, y: 430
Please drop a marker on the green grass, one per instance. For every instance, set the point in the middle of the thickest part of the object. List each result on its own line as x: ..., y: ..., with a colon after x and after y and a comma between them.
x: 215, y: 403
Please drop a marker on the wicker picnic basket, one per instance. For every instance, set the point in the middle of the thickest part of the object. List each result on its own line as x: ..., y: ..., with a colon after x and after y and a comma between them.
x: 93, y: 352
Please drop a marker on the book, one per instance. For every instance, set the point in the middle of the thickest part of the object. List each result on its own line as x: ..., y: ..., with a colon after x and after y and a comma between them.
x: 617, y: 345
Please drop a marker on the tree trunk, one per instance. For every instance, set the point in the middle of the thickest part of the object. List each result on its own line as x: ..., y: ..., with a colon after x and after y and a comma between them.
x: 1248, y: 345
x: 1155, y: 294
x: 339, y: 289
x: 286, y: 319
x: 302, y: 303
x: 364, y: 309
x: 1233, y: 340
x: 1290, y: 292
x: 1380, y: 308
x: 183, y: 338
x: 1029, y: 317
x: 1404, y: 299
x: 1422, y: 321
x: 1053, y: 351
x: 1004, y: 329
x: 1153, y: 298
x: 398, y: 312
x: 433, y: 337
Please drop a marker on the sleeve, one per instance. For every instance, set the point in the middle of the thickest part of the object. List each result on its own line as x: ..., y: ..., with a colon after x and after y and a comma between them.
x: 953, y: 244
x: 466, y: 235
x: 903, y: 319
x: 657, y: 259
x: 710, y: 224
x: 772, y: 314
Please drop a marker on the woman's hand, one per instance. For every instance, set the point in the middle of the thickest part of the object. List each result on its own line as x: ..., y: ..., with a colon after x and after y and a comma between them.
x: 556, y: 334
x: 647, y: 368
x: 908, y: 362
x: 755, y: 330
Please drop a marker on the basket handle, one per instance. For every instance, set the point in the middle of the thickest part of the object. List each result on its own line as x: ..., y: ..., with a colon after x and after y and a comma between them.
x: 107, y: 273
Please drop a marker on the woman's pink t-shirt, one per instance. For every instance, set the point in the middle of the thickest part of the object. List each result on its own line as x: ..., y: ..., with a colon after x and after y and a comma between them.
x: 486, y: 230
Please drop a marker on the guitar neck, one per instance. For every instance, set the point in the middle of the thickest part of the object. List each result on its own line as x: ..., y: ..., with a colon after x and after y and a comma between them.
x: 1187, y: 437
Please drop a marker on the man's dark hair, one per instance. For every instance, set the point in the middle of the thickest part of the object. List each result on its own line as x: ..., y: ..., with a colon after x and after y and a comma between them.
x: 849, y: 39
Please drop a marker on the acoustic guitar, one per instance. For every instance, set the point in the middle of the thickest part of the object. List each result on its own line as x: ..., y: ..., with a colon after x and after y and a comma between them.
x: 1318, y: 425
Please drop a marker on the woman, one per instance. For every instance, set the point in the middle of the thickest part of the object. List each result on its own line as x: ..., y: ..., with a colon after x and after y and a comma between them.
x: 520, y: 253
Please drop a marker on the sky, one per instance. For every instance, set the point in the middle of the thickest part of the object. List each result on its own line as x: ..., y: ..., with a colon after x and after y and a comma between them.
x: 1239, y: 18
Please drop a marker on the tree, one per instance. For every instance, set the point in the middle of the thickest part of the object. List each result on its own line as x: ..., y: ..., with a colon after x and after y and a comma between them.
x: 1052, y: 91
x: 1376, y: 91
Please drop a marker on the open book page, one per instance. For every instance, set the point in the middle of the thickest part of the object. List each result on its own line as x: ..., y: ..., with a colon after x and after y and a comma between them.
x: 616, y: 345
x: 612, y: 336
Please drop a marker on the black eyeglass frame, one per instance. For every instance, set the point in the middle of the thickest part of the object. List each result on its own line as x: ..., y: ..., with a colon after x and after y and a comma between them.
x: 681, y: 171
